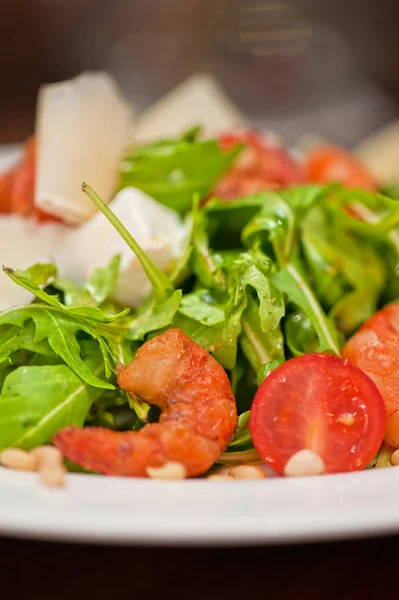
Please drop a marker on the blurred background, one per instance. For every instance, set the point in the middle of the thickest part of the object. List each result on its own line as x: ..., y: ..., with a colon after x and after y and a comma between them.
x: 297, y: 66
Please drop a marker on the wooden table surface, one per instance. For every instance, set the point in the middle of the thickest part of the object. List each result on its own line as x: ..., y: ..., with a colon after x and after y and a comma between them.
x: 339, y: 571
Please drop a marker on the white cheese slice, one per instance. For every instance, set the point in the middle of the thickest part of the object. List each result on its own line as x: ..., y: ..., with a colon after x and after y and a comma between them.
x: 82, y: 128
x: 156, y: 228
x: 22, y: 244
x: 380, y: 154
x: 199, y: 100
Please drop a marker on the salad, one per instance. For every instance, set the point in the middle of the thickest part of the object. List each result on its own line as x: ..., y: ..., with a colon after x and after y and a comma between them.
x: 216, y: 303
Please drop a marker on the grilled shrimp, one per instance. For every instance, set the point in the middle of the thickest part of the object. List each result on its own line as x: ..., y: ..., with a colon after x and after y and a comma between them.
x: 198, y: 413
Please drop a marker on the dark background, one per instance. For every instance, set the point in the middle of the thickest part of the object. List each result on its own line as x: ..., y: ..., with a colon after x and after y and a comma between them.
x: 329, y: 66
x: 296, y: 65
x: 351, y: 571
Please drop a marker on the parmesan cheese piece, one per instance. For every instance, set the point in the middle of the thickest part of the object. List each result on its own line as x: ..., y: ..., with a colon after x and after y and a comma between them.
x: 22, y: 244
x: 82, y: 128
x: 380, y: 154
x: 199, y: 100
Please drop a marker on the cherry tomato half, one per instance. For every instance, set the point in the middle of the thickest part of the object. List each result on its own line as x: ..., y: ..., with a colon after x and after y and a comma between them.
x: 322, y: 403
x: 332, y: 164
x: 374, y: 348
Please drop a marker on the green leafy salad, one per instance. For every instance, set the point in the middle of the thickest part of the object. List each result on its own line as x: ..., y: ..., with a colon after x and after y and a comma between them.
x: 260, y: 280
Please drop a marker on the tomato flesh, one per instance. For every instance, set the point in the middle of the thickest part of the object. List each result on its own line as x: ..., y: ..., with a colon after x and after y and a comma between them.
x: 263, y: 165
x: 374, y: 348
x: 322, y: 403
x: 330, y: 163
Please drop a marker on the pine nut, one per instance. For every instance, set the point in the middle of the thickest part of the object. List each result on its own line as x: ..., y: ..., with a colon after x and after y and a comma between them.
x: 170, y: 470
x: 304, y: 462
x: 221, y: 477
x: 395, y: 458
x: 47, y: 455
x: 52, y: 476
x: 15, y: 458
x: 247, y: 472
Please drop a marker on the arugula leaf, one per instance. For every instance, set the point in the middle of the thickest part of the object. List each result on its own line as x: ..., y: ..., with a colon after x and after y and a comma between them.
x: 389, y: 249
x: 219, y: 340
x: 91, y: 312
x: 226, y: 220
x: 73, y: 294
x: 205, y: 264
x: 267, y: 369
x: 259, y: 345
x: 40, y: 274
x: 300, y: 335
x: 273, y: 225
x: 292, y: 281
x: 124, y: 352
x: 16, y: 338
x: 242, y: 435
x: 103, y: 280
x: 349, y: 267
x: 252, y: 269
x: 60, y: 329
x: 5, y: 369
x: 203, y: 306
x: 95, y: 291
x: 303, y: 198
x: 364, y: 212
x: 37, y: 401
x: 118, y: 418
x: 275, y: 228
x: 157, y: 316
x: 172, y: 171
x: 218, y: 311
x: 182, y: 267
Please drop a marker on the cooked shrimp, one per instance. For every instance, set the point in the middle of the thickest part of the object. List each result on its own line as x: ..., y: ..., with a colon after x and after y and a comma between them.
x: 375, y: 350
x: 198, y: 413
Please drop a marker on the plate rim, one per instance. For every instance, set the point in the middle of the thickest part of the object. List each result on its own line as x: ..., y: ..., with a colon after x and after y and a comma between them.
x: 57, y: 520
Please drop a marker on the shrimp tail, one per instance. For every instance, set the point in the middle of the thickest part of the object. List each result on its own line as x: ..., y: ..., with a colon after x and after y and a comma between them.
x: 130, y: 453
x: 93, y: 448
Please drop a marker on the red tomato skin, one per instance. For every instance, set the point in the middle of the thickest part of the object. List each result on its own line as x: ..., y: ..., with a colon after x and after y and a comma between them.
x: 262, y: 165
x: 304, y: 403
x: 17, y: 188
x: 328, y: 164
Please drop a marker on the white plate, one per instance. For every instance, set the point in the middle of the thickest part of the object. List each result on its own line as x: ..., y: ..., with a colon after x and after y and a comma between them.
x: 133, y: 511
x: 198, y: 512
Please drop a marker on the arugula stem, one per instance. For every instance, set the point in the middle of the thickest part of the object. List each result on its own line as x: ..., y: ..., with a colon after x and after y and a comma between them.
x: 239, y: 457
x: 140, y: 407
x: 313, y: 302
x: 161, y: 284
x: 256, y: 352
